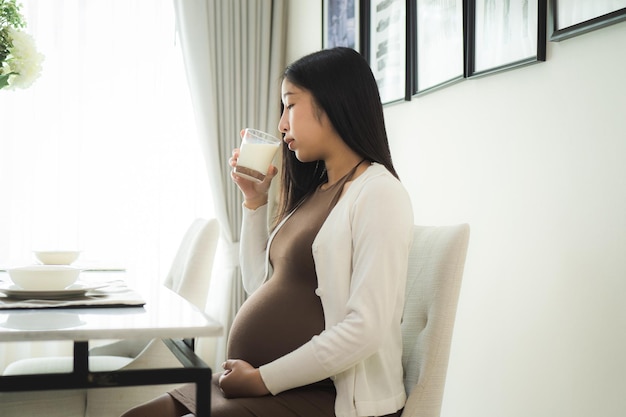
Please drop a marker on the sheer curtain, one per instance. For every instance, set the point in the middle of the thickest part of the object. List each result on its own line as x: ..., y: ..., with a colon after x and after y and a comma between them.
x: 100, y: 154
x: 234, y: 54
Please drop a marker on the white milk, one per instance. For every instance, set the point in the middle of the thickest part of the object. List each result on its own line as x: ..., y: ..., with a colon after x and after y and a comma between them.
x: 257, y: 157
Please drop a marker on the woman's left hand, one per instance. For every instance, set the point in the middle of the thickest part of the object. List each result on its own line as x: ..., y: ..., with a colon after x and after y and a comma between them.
x: 240, y: 379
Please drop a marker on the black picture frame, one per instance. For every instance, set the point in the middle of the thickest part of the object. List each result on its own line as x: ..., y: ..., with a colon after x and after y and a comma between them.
x: 575, y: 17
x: 384, y: 25
x: 516, y: 39
x: 438, y: 44
x: 341, y: 24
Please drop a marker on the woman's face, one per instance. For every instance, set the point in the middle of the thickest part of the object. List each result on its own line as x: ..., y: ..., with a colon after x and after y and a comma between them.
x: 306, y: 127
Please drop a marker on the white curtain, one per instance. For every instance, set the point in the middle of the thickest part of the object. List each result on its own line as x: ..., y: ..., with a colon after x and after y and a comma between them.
x: 234, y: 56
x: 101, y: 152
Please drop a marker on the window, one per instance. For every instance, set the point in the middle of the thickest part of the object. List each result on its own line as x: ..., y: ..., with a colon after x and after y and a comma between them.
x: 101, y: 152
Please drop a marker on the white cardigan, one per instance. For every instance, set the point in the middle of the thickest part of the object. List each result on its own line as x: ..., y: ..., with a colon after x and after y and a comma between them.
x: 361, y: 255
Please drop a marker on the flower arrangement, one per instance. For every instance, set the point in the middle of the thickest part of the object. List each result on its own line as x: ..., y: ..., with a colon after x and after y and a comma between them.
x: 20, y: 63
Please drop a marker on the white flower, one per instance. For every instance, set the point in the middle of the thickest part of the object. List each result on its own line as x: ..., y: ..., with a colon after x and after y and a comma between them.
x: 23, y: 60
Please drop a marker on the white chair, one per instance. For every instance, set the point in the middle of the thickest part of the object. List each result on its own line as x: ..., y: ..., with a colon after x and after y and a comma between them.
x: 436, y: 264
x: 189, y: 276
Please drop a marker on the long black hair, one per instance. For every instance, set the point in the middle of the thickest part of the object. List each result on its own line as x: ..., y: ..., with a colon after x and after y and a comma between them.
x: 343, y: 86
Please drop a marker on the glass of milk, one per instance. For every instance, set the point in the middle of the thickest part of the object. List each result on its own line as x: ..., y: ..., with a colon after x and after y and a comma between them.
x: 255, y: 154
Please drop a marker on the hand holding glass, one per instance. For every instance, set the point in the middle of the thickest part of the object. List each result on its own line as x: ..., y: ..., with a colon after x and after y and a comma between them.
x: 255, y: 154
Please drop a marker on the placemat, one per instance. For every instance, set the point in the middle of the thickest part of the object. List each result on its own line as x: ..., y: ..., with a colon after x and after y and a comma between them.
x: 110, y: 295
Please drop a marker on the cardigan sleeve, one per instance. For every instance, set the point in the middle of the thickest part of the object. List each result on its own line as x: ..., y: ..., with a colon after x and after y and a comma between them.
x: 252, y: 248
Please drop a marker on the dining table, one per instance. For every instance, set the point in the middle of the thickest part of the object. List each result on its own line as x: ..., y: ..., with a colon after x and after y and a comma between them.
x: 107, y: 309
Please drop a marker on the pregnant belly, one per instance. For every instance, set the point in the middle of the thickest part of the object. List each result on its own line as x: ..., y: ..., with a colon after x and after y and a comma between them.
x: 273, y: 321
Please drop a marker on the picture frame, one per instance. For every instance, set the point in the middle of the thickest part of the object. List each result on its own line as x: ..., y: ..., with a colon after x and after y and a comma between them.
x: 569, y: 18
x: 384, y: 27
x: 341, y: 24
x: 438, y: 36
x: 502, y: 35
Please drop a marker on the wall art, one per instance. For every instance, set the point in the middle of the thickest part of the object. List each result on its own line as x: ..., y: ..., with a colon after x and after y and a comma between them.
x: 341, y: 24
x: 385, y: 34
x: 438, y: 39
x: 570, y: 18
x: 503, y: 34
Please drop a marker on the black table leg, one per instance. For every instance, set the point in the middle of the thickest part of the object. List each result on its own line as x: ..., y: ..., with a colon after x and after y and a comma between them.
x: 81, y: 359
x: 186, y: 356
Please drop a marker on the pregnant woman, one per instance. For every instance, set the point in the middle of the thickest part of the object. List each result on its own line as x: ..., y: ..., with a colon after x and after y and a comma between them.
x: 319, y: 334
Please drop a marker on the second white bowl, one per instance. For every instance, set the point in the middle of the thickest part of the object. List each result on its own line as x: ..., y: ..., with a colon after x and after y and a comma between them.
x: 57, y: 257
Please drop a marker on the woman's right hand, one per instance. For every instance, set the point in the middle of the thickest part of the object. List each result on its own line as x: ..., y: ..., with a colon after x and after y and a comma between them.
x: 255, y: 194
x: 240, y: 379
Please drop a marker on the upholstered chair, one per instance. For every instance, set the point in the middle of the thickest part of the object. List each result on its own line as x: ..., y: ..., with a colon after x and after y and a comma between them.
x: 436, y: 264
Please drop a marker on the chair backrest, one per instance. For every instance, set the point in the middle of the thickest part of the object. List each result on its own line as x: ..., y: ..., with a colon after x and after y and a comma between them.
x: 436, y: 263
x: 190, y: 273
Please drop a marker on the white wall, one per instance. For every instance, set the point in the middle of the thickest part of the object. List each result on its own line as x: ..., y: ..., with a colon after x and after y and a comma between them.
x: 534, y: 160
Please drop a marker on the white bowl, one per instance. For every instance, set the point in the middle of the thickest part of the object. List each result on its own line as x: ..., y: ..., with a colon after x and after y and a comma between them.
x: 57, y: 257
x: 44, y: 277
